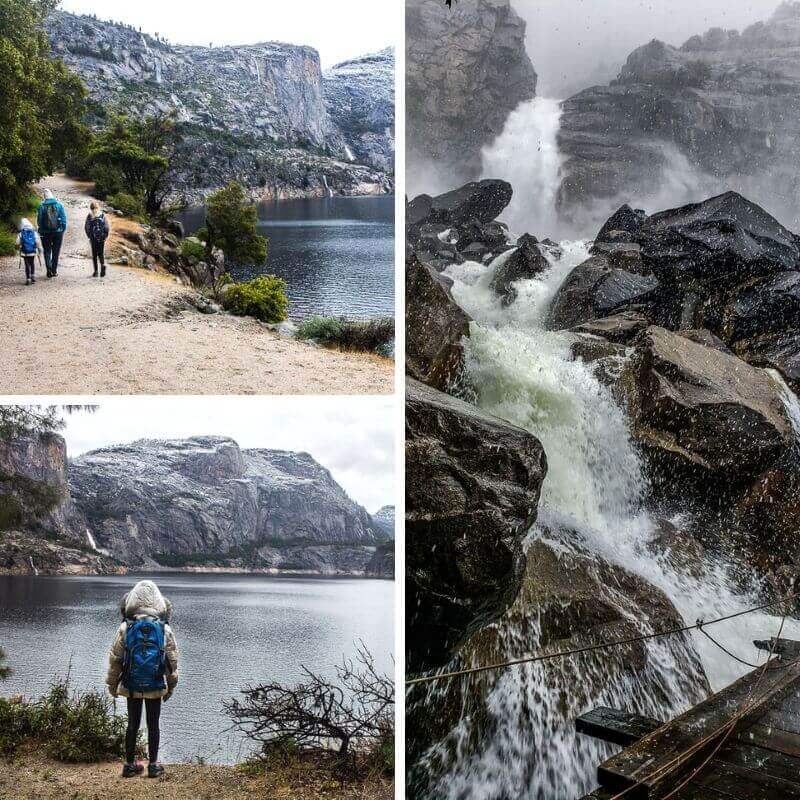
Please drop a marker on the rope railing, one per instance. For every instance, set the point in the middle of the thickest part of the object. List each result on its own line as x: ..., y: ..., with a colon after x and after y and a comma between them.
x: 533, y: 659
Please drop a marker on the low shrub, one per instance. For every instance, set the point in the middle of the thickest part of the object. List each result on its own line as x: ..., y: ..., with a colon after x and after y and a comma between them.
x: 375, y: 335
x: 192, y: 249
x: 128, y: 204
x: 8, y: 242
x: 263, y: 298
x: 70, y: 726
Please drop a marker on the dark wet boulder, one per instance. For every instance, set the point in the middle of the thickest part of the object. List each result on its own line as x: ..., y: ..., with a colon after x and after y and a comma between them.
x: 472, y: 491
x: 621, y: 255
x: 436, y: 246
x: 768, y: 306
x: 620, y: 328
x: 574, y: 300
x: 524, y: 262
x: 623, y: 225
x: 435, y: 327
x: 703, y: 417
x: 620, y: 289
x: 724, y: 240
x: 705, y: 338
x: 418, y: 210
x: 483, y: 201
x: 494, y: 235
x: 779, y: 351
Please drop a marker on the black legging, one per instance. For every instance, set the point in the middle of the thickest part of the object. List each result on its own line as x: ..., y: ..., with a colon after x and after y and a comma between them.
x: 135, y: 720
x: 98, y: 254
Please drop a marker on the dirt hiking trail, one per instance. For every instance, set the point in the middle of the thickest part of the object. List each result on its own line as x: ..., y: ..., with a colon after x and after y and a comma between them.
x: 131, y: 333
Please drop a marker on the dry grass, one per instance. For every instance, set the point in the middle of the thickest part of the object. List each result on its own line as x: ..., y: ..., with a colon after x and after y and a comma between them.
x: 32, y: 776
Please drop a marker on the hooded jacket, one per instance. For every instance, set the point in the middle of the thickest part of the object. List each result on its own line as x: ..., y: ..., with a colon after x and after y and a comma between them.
x: 26, y: 225
x: 144, y: 600
x: 62, y: 216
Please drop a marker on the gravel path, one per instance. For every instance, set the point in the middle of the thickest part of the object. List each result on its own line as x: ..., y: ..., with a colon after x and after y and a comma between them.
x: 80, y: 335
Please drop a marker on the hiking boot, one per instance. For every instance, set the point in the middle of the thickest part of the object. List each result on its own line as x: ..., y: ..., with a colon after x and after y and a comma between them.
x: 154, y: 770
x: 132, y: 770
x: 27, y: 281
x: 103, y: 272
x: 33, y: 280
x: 94, y: 274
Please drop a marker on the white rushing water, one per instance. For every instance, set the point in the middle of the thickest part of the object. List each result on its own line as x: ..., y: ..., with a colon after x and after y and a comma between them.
x: 592, y: 503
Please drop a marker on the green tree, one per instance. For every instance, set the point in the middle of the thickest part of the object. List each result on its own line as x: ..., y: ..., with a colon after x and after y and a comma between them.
x: 41, y: 102
x: 135, y: 156
x: 232, y: 226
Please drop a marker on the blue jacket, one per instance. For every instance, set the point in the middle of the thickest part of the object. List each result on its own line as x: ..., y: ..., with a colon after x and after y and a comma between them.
x: 62, y: 216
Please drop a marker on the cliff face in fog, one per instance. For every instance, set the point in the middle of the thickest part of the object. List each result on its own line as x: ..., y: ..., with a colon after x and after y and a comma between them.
x: 257, y: 113
x: 466, y: 69
x: 722, y: 111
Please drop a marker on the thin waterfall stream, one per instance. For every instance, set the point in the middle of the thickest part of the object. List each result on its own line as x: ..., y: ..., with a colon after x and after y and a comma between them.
x: 592, y: 508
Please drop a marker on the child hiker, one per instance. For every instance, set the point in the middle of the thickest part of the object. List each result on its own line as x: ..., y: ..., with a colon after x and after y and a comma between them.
x: 29, y: 245
x: 143, y: 667
x: 97, y: 229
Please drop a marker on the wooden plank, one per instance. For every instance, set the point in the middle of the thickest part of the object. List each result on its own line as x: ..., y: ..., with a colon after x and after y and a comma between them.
x: 639, y: 765
x: 759, y: 760
x: 772, y: 738
x: 786, y: 714
x: 736, y: 781
x: 615, y: 726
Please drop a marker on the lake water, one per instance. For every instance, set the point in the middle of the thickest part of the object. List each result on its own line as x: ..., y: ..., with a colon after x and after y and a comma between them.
x: 232, y: 631
x: 335, y: 254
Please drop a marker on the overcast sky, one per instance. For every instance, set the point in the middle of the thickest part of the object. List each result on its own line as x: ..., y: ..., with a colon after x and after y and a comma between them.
x: 569, y: 39
x: 338, y: 29
x: 352, y: 437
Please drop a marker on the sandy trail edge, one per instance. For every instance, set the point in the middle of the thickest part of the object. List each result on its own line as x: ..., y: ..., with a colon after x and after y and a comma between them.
x: 79, y: 335
x: 35, y: 777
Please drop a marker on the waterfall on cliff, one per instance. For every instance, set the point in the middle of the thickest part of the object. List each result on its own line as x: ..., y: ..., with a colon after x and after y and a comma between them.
x: 592, y: 507
x: 526, y: 155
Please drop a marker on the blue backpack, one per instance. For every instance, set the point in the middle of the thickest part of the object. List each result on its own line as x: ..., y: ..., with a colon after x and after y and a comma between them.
x: 145, y: 658
x: 27, y: 241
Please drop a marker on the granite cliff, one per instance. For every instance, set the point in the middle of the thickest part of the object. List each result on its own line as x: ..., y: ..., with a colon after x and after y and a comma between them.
x: 256, y: 113
x: 201, y: 502
x: 720, y: 112
x: 466, y: 70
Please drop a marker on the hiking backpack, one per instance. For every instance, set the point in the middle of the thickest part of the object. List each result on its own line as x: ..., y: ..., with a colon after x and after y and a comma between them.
x: 97, y: 229
x: 51, y: 221
x: 27, y: 241
x: 145, y: 658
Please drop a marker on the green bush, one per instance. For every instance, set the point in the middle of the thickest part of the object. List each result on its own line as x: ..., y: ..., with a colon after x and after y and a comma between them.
x: 191, y: 249
x: 375, y: 335
x: 70, y: 726
x: 8, y: 243
x: 263, y: 298
x: 128, y: 204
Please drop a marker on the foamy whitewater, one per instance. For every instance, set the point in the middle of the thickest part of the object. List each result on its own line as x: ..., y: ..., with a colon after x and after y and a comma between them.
x: 592, y: 504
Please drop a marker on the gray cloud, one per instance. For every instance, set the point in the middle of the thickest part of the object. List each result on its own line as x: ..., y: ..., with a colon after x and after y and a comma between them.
x: 352, y: 436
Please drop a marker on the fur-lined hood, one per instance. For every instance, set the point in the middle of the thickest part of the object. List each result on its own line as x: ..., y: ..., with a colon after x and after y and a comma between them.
x: 145, y: 599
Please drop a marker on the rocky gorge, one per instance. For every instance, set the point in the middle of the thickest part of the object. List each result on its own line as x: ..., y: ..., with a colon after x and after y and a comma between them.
x: 265, y: 115
x: 202, y: 503
x: 636, y: 400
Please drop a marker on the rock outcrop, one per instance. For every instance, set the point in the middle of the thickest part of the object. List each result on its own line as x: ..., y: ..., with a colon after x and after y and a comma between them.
x: 472, y: 491
x: 466, y: 69
x: 359, y: 97
x: 258, y: 114
x: 205, y: 500
x: 384, y: 519
x: 721, y: 111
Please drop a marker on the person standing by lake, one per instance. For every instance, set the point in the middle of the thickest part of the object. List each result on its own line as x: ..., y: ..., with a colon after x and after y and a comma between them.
x: 52, y: 221
x: 143, y: 667
x: 97, y: 230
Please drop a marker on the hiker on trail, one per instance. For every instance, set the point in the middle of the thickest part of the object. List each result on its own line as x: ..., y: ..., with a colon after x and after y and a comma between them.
x: 52, y: 222
x: 29, y: 245
x: 97, y: 229
x: 143, y: 667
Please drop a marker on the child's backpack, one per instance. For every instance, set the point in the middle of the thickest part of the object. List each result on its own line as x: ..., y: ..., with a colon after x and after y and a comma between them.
x: 145, y: 658
x: 27, y: 242
x: 97, y: 229
x: 51, y: 221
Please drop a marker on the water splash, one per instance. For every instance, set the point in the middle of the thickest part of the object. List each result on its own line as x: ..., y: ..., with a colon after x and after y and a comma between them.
x: 519, y: 739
